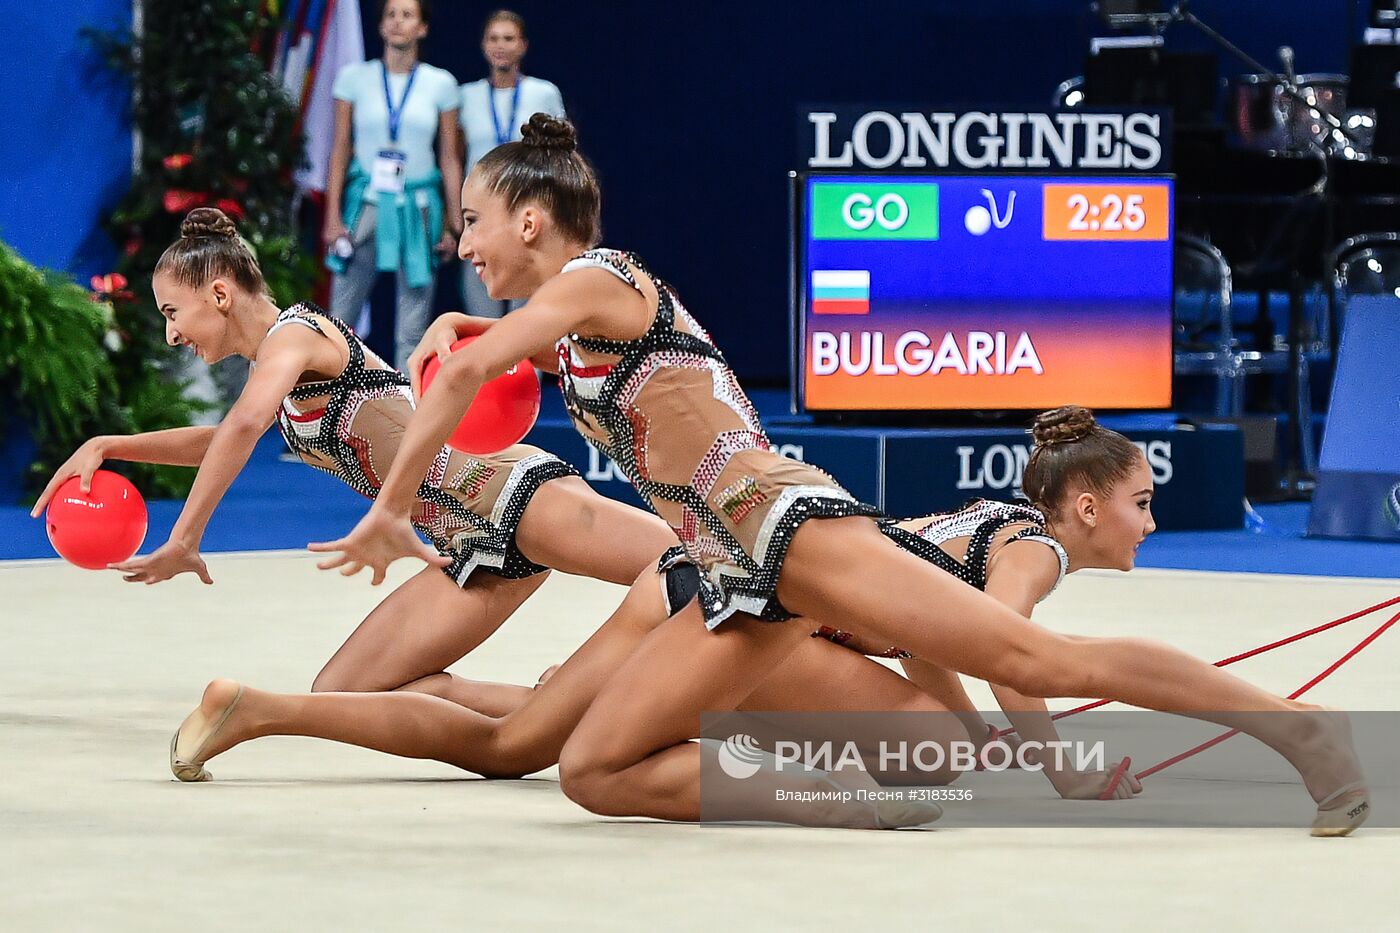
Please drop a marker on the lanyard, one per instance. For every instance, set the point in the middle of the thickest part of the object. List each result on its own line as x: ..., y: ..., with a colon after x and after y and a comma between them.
x: 396, y: 113
x: 504, y: 137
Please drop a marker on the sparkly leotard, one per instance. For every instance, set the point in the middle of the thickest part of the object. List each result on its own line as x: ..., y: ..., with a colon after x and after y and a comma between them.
x: 667, y: 409
x: 979, y: 521
x: 351, y: 427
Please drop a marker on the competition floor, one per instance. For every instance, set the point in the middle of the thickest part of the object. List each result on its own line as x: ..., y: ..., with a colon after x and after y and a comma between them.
x: 300, y: 834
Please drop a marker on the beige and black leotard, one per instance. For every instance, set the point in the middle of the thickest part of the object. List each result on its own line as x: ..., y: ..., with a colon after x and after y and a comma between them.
x: 979, y: 521
x: 668, y: 410
x: 351, y: 427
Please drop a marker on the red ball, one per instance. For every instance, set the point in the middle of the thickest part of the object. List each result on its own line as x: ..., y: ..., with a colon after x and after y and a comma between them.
x: 97, y: 528
x: 503, y: 411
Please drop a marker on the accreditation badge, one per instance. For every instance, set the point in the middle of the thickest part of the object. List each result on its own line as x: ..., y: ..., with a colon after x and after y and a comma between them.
x: 389, y: 172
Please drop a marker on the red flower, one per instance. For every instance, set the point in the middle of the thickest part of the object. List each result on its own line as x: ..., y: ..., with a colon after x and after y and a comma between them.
x: 177, y: 201
x: 231, y: 208
x: 110, y: 287
x: 106, y: 284
x: 177, y: 161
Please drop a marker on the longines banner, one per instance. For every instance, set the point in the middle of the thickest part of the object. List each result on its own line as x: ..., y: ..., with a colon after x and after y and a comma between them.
x: 1199, y: 473
x: 886, y: 137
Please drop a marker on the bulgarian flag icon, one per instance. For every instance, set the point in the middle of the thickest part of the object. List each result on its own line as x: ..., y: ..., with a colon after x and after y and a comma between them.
x: 840, y: 291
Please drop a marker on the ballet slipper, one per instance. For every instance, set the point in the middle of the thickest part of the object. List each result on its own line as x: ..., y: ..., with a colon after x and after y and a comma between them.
x: 194, y: 735
x: 1343, y: 810
x: 1347, y: 807
x: 892, y: 814
x: 905, y: 814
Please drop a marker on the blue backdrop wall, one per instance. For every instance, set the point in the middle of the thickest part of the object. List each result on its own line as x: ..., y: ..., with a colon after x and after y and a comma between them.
x: 65, y: 138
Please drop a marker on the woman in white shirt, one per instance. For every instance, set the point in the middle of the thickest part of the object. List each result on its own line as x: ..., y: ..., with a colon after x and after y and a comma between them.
x: 493, y: 110
x: 392, y: 204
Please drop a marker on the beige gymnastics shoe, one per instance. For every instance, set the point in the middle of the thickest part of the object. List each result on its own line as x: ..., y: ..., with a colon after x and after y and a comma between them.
x: 1343, y: 810
x: 188, y: 743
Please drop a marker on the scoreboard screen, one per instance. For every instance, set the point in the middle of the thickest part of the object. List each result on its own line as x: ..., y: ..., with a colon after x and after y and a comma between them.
x: 982, y: 292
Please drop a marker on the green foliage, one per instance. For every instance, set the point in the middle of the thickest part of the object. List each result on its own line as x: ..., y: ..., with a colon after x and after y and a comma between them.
x: 54, y: 359
x: 51, y: 352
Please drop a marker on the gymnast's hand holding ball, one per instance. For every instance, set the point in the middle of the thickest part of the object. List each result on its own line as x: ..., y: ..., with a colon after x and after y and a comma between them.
x: 437, y: 341
x: 97, y: 520
x: 503, y: 412
x: 84, y: 462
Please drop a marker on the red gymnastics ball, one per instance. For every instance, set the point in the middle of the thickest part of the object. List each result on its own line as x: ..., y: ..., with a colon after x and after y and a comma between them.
x: 97, y: 528
x: 503, y: 411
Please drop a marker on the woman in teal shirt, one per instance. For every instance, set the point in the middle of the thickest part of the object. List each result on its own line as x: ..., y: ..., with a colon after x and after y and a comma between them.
x: 391, y: 202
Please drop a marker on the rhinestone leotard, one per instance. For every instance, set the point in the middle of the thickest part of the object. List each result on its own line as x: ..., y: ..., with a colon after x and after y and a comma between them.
x: 979, y: 521
x: 667, y: 409
x: 351, y: 427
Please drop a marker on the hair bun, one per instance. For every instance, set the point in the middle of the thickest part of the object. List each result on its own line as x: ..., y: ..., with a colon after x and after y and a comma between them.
x: 208, y: 222
x: 1063, y: 426
x: 547, y: 132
